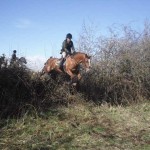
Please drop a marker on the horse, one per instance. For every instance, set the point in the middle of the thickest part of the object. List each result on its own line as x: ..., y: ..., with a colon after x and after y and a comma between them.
x: 71, y: 65
x: 19, y: 62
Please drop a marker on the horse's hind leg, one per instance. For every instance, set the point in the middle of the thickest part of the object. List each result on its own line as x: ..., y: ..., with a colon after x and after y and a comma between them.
x: 44, y: 74
x: 44, y: 71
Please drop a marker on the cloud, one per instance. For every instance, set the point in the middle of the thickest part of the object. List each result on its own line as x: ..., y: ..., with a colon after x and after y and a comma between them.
x: 23, y: 23
x: 35, y: 63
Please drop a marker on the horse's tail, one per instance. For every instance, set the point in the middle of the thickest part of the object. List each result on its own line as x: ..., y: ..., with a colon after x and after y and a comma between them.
x: 42, y: 71
x: 45, y: 63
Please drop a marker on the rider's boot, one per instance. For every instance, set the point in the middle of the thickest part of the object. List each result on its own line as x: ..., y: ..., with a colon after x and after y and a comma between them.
x: 62, y: 63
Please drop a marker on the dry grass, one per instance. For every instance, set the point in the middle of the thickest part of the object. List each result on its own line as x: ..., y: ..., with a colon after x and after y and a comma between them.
x: 82, y: 125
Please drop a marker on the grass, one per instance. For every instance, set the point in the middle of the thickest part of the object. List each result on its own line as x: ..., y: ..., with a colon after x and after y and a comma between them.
x: 81, y: 125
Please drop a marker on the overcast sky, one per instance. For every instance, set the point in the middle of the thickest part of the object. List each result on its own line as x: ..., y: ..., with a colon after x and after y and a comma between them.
x: 37, y: 28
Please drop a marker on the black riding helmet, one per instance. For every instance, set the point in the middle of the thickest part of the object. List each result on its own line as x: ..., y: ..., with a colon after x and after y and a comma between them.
x: 69, y: 36
x: 14, y: 51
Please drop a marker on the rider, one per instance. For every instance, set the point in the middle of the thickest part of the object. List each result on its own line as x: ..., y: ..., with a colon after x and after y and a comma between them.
x: 13, y: 58
x: 67, y: 47
x: 2, y: 60
x: 3, y: 57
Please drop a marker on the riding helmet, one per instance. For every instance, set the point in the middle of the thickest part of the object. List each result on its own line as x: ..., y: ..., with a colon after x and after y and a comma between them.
x: 69, y: 36
x: 14, y: 51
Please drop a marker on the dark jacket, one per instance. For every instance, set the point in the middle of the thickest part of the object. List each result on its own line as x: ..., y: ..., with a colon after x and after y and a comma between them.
x: 13, y: 57
x: 67, y: 46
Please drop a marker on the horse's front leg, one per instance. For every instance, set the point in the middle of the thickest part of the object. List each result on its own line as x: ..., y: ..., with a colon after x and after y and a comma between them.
x: 58, y: 70
x: 71, y: 75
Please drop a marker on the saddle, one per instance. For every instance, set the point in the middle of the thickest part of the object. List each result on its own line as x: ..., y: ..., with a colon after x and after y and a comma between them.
x: 62, y: 61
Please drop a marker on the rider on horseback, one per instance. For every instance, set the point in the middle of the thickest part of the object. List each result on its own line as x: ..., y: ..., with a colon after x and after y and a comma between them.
x: 13, y: 58
x: 3, y: 61
x: 67, y: 48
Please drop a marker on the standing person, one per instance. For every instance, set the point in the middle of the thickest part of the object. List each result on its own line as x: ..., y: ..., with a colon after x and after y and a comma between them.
x: 13, y: 58
x: 2, y: 60
x: 67, y: 47
x: 2, y: 57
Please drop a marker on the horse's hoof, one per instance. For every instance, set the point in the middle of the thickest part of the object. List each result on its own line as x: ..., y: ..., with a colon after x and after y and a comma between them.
x: 74, y: 84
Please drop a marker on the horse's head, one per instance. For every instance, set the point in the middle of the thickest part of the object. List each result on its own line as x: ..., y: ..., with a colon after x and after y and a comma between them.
x: 84, y: 59
x: 87, y: 62
x: 22, y: 60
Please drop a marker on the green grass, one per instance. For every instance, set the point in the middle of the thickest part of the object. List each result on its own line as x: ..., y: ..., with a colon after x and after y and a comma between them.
x: 81, y: 125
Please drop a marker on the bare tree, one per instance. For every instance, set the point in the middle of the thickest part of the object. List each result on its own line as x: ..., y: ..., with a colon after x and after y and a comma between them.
x: 87, y: 39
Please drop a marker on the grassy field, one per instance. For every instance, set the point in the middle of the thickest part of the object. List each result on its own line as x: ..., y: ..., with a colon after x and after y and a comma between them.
x: 80, y: 125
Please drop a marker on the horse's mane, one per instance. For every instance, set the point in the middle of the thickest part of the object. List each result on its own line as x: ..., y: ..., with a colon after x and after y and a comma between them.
x: 76, y: 53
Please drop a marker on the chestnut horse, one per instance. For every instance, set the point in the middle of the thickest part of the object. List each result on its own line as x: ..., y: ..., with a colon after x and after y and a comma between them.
x: 71, y: 65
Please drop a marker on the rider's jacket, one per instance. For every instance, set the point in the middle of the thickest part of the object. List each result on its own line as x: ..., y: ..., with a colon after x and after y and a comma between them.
x: 13, y: 58
x: 67, y: 47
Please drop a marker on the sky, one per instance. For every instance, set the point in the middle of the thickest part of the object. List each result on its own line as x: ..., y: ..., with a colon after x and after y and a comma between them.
x: 37, y: 28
